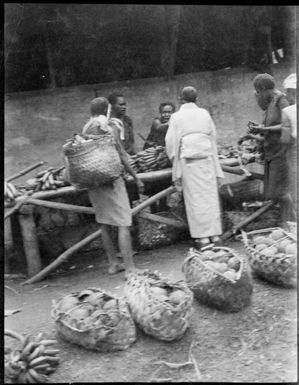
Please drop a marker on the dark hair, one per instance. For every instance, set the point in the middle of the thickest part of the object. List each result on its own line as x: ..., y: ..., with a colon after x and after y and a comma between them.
x: 162, y: 105
x: 264, y: 82
x: 98, y: 106
x: 112, y: 98
x: 189, y: 94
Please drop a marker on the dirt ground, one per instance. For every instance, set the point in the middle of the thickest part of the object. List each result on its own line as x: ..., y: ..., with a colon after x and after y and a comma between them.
x: 257, y: 344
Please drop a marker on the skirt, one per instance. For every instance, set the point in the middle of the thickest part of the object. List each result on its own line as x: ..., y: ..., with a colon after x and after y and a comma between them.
x: 111, y: 204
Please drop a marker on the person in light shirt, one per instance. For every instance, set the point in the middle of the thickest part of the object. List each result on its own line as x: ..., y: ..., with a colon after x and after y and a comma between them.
x: 289, y: 133
x: 191, y: 147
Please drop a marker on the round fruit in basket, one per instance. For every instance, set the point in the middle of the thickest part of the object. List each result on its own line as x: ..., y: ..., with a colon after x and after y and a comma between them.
x: 291, y: 249
x: 276, y: 234
x: 260, y: 240
x: 283, y: 244
x: 177, y: 296
x: 234, y: 263
x: 230, y: 274
x: 270, y: 251
x: 68, y: 303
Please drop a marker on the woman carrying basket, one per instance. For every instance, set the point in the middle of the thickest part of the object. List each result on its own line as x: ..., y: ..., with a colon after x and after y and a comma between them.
x: 110, y: 201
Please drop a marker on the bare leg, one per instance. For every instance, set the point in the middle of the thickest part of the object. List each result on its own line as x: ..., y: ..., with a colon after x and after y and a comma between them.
x: 125, y: 246
x: 287, y: 210
x: 108, y: 246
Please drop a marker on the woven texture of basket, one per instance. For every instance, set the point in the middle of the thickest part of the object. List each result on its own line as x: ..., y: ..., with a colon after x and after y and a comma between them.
x: 212, y: 288
x: 94, y: 163
x: 280, y: 269
x: 100, y: 326
x: 152, y: 234
x: 158, y: 315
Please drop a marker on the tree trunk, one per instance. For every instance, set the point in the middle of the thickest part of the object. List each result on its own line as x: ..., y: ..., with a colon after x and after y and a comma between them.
x: 170, y: 39
x: 51, y: 69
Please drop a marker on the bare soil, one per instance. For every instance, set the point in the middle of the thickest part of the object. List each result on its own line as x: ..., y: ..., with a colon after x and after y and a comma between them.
x: 257, y: 344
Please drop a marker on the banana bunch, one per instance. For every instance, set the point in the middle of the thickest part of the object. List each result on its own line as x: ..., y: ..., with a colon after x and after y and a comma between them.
x: 33, y: 362
x: 153, y: 158
x: 10, y: 191
x: 49, y: 179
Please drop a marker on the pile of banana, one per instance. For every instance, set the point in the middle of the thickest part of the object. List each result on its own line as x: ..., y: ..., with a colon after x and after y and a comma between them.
x: 10, y: 192
x: 153, y: 158
x: 33, y: 362
x: 49, y: 179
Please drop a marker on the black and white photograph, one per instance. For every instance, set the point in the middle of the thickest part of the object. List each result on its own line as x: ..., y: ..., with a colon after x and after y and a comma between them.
x: 150, y: 193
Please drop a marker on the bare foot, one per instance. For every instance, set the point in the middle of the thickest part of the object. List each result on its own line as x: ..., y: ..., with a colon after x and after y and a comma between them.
x: 116, y: 268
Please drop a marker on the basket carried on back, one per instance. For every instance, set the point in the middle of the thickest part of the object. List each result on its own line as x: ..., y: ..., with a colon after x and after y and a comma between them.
x: 93, y: 162
x: 274, y: 260
x: 95, y: 320
x: 160, y: 307
x: 218, y: 277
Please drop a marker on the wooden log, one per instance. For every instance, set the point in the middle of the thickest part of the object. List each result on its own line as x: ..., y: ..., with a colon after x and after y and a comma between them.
x: 153, y: 199
x: 246, y: 221
x: 161, y: 219
x: 61, y: 206
x: 238, y: 171
x: 25, y: 171
x: 19, y: 203
x: 63, y: 257
x: 30, y: 240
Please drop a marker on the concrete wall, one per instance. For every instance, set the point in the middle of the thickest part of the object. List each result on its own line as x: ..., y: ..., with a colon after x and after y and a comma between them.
x: 38, y: 123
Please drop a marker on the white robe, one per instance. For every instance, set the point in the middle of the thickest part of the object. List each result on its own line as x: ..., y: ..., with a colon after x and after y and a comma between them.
x: 191, y: 146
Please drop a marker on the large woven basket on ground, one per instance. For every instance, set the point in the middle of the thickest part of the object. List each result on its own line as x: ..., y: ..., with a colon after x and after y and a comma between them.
x: 164, y: 317
x: 229, y: 292
x: 281, y: 268
x: 107, y: 328
x: 94, y: 163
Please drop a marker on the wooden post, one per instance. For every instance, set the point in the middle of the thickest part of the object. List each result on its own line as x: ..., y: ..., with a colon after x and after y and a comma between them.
x: 30, y: 241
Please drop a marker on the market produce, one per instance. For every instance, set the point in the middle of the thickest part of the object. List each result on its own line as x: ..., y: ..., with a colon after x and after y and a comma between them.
x: 272, y: 254
x: 49, y: 179
x: 218, y: 277
x: 10, y: 191
x: 160, y: 307
x: 248, y: 149
x: 153, y: 158
x: 95, y: 320
x: 33, y: 361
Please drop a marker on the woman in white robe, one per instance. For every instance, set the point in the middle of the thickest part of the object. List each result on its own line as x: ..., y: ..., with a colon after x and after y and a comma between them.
x: 191, y: 146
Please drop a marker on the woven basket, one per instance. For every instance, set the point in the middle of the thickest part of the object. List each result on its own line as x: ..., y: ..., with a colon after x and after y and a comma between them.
x: 158, y: 317
x: 212, y: 288
x: 94, y: 163
x: 278, y: 269
x: 112, y: 329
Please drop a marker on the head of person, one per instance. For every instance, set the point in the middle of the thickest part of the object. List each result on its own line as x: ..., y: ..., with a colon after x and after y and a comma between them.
x: 188, y: 95
x: 290, y: 86
x: 99, y: 106
x: 264, y: 85
x: 166, y: 109
x: 118, y: 104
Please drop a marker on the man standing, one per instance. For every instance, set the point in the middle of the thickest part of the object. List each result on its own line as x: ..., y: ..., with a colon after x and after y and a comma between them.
x: 118, y: 110
x: 191, y: 147
x: 289, y: 133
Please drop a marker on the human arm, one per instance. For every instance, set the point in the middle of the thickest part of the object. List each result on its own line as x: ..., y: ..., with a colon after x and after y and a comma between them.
x: 159, y: 126
x: 172, y: 140
x: 218, y: 169
x: 124, y: 159
x: 131, y: 139
x: 286, y: 129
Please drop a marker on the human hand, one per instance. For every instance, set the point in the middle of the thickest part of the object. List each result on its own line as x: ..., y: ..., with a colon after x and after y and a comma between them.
x: 140, y: 185
x: 254, y: 128
x: 178, y: 185
x: 220, y: 181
